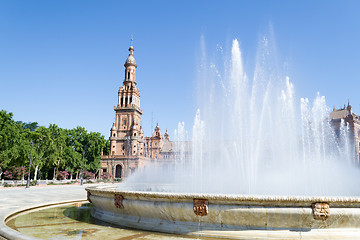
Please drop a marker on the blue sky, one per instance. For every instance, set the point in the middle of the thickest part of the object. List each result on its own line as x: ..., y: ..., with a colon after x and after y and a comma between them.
x: 62, y: 61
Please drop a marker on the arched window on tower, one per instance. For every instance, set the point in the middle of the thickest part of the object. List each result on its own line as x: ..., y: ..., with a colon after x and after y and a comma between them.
x: 128, y: 75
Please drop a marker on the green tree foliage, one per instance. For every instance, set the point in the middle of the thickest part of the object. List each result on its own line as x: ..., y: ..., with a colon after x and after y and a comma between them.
x: 10, y: 140
x: 32, y: 126
x: 54, y: 149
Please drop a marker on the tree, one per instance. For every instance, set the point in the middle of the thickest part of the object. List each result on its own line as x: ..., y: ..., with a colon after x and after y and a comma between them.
x: 76, y: 139
x: 72, y: 159
x: 58, y: 144
x: 24, y: 140
x: 10, y: 141
x: 93, y: 143
x: 43, y: 148
x: 54, y: 148
x: 96, y: 143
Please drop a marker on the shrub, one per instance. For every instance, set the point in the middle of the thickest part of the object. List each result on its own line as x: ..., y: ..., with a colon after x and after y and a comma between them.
x: 106, y: 176
x: 9, y: 174
x: 61, y: 175
x: 88, y: 175
x: 15, y: 173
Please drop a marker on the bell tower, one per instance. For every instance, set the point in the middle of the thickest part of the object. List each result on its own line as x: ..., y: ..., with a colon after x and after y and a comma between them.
x: 126, y: 134
x: 129, y: 149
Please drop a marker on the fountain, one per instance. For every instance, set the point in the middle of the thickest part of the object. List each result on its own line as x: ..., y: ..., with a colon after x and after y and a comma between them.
x: 260, y: 166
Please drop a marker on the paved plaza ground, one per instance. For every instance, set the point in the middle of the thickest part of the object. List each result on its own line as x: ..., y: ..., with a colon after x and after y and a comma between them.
x: 16, y: 199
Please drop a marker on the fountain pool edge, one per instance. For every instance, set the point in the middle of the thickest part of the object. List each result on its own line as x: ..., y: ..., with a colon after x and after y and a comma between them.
x: 236, y: 216
x: 11, y: 234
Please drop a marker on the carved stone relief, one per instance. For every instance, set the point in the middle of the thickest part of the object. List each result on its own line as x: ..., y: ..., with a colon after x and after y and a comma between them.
x: 321, y: 211
x: 201, y: 207
x: 118, y: 201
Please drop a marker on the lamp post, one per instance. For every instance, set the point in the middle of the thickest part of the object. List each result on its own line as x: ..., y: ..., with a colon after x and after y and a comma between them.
x: 82, y: 169
x: 28, y: 179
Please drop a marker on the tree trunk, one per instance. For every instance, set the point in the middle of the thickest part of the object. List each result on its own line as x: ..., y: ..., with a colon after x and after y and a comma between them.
x: 36, y: 171
x: 71, y: 175
x: 56, y: 169
x: 54, y: 173
x: 22, y: 177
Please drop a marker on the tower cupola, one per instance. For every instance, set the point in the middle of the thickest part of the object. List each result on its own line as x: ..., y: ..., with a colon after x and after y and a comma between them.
x: 166, y: 135
x: 130, y: 70
x: 130, y: 60
x: 157, y: 132
x: 349, y: 107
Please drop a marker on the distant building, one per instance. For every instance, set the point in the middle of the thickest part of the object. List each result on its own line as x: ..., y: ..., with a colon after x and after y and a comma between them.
x: 129, y: 149
x: 352, y: 120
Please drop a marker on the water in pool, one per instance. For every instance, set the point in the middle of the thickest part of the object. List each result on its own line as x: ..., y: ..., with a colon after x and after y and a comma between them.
x: 75, y: 222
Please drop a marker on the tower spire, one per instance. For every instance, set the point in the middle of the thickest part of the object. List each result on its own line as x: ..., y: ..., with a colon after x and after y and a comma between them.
x: 349, y: 107
x: 131, y: 60
x: 131, y: 48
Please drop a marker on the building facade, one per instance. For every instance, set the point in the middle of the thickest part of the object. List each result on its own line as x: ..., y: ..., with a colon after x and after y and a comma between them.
x: 350, y: 119
x: 129, y: 149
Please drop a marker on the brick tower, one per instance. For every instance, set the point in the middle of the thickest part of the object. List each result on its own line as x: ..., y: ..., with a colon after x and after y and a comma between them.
x: 126, y: 135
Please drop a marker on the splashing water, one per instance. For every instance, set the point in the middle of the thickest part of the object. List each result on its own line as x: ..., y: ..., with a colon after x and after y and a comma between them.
x: 250, y: 138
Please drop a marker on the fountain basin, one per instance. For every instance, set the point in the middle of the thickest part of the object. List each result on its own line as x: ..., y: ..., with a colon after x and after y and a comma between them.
x: 235, y: 216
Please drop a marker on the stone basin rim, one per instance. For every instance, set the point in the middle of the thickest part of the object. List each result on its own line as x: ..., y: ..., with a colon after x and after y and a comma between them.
x: 341, y: 201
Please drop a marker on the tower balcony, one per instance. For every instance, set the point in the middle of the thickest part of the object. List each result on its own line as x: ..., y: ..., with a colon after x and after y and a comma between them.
x: 128, y: 107
x: 127, y: 138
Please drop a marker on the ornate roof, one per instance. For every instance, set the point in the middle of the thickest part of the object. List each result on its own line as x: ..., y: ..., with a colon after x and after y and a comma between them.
x: 344, y: 113
x: 130, y: 59
x: 339, y: 114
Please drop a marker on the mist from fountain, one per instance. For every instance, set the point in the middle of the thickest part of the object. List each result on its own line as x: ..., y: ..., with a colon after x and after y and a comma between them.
x: 252, y: 137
